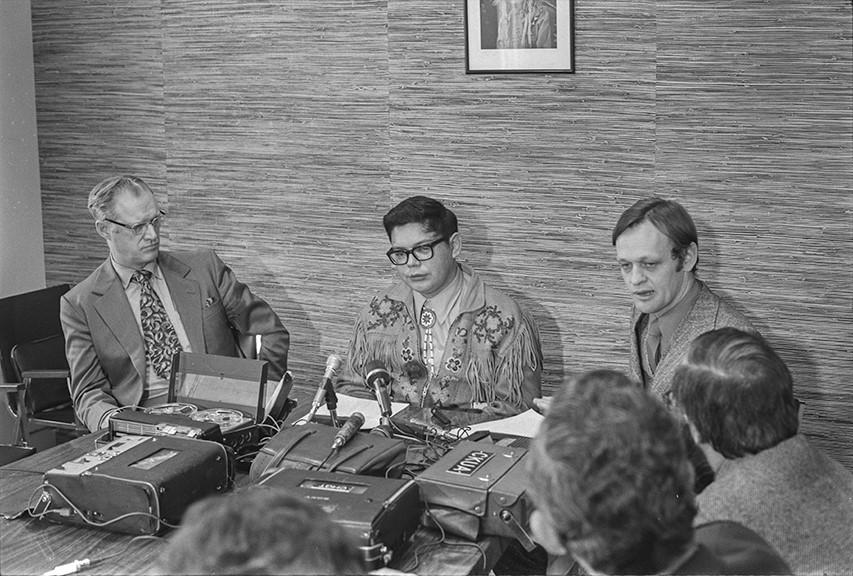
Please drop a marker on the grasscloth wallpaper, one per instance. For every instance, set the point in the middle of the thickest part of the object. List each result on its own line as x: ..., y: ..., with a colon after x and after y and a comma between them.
x: 280, y: 132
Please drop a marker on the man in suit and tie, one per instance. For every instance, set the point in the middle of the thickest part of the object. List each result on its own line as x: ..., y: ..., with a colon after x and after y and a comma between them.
x: 657, y: 249
x: 126, y: 320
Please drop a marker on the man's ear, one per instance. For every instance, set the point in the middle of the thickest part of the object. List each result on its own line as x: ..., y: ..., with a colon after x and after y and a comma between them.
x: 691, y: 257
x: 102, y: 229
x: 455, y: 242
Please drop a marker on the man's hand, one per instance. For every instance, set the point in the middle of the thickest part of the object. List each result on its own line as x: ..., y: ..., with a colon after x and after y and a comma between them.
x: 542, y: 404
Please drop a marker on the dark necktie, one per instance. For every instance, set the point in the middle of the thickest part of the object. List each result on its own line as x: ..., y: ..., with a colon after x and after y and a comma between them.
x: 653, y: 337
x: 161, y: 340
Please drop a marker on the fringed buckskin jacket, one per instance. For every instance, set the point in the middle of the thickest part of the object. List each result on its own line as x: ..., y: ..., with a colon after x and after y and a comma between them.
x: 492, y: 355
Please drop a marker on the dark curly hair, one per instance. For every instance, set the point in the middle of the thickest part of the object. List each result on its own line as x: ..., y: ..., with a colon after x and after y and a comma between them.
x: 609, y: 470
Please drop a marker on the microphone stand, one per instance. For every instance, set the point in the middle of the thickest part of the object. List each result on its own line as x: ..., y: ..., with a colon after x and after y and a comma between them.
x: 332, y: 404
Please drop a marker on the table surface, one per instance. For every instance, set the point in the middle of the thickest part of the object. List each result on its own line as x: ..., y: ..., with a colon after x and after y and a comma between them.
x: 32, y: 546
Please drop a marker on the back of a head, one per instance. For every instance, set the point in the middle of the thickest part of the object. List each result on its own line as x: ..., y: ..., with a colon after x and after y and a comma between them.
x: 609, y: 466
x: 737, y: 392
x: 102, y: 196
x: 431, y: 213
x: 668, y: 216
x: 259, y: 530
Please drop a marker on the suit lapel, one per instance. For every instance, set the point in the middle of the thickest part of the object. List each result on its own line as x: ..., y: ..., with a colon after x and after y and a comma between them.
x: 186, y: 295
x: 634, y: 363
x: 114, y: 309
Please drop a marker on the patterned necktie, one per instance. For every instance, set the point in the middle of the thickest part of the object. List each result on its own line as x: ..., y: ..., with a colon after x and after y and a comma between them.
x: 161, y: 340
x: 653, y: 337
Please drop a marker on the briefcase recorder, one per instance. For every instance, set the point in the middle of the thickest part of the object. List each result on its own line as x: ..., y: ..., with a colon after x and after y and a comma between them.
x: 379, y: 514
x: 478, y: 489
x: 307, y: 447
x: 135, y: 484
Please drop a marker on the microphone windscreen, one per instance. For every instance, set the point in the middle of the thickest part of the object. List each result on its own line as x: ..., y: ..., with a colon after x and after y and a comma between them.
x: 375, y: 370
x: 333, y: 364
x: 348, y: 430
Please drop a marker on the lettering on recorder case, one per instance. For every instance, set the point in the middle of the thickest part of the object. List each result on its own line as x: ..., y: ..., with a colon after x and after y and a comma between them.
x: 471, y: 462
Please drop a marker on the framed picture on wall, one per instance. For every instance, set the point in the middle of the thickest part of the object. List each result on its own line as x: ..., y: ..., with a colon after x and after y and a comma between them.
x: 519, y: 36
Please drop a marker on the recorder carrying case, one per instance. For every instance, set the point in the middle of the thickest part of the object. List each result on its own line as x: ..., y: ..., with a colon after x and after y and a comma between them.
x: 478, y: 489
x: 307, y: 446
x: 135, y: 484
x: 379, y: 514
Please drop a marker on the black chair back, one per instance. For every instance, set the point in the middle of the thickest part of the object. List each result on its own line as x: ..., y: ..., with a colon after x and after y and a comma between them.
x: 27, y: 317
x: 44, y: 391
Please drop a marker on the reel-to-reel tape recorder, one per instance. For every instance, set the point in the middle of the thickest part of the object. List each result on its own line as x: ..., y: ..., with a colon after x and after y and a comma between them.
x: 211, y: 398
x: 225, y: 425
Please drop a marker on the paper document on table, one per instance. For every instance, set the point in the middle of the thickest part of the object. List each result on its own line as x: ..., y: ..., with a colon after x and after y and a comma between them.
x: 525, y: 424
x: 367, y: 406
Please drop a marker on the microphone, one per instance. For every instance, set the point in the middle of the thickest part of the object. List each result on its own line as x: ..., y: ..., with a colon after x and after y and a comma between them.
x: 333, y: 363
x: 348, y: 430
x: 377, y: 380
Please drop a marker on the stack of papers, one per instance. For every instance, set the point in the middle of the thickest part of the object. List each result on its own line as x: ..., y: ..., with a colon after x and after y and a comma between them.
x: 369, y: 407
x: 525, y: 424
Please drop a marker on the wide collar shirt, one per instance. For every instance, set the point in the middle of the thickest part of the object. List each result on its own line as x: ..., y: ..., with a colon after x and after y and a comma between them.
x: 445, y: 304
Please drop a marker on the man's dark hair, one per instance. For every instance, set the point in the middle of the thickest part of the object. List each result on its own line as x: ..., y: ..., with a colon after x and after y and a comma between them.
x: 669, y: 217
x: 431, y: 213
x: 737, y: 392
x: 609, y: 468
x: 259, y: 530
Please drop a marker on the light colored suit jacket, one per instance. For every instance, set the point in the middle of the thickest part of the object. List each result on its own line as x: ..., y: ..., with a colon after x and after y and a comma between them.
x: 104, y: 345
x: 708, y: 313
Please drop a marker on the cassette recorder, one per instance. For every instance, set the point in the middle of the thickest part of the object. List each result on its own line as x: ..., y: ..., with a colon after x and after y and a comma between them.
x: 135, y: 484
x: 478, y: 488
x: 379, y: 514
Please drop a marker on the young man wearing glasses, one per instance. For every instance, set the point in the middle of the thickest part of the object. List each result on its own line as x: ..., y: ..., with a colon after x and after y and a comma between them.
x: 446, y: 338
x: 124, y: 323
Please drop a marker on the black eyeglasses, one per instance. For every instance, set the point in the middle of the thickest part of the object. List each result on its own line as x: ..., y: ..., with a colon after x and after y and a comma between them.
x: 139, y: 229
x: 400, y: 256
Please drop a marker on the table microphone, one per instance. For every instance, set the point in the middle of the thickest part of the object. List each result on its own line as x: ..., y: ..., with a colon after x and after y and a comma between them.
x: 378, y: 380
x: 348, y: 430
x: 333, y: 363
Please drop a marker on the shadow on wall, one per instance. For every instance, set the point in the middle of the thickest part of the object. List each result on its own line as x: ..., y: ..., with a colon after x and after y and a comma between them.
x: 481, y: 258
x: 304, y: 335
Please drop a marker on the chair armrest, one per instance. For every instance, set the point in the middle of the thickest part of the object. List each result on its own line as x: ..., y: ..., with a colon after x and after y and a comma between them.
x: 11, y: 386
x: 30, y: 374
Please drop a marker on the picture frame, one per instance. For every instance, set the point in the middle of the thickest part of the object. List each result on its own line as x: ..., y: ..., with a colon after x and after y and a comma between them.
x: 519, y: 36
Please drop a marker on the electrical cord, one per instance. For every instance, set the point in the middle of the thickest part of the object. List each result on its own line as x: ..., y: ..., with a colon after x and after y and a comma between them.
x: 79, y: 565
x: 80, y: 514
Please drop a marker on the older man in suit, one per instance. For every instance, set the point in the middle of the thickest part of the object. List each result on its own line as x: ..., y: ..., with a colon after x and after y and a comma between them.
x: 124, y: 323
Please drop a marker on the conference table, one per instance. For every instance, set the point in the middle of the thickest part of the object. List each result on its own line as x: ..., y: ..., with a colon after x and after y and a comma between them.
x: 35, y: 546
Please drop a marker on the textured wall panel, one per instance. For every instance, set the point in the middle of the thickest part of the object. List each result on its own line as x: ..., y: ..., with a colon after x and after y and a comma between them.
x: 280, y: 132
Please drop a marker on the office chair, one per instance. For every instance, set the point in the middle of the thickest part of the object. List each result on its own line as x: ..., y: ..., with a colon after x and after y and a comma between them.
x: 43, y: 395
x: 26, y: 317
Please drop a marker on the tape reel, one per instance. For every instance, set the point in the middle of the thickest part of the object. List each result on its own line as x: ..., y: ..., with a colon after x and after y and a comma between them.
x: 180, y: 408
x: 225, y: 417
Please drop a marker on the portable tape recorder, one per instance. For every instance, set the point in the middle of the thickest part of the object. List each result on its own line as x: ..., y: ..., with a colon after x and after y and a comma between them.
x: 211, y: 397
